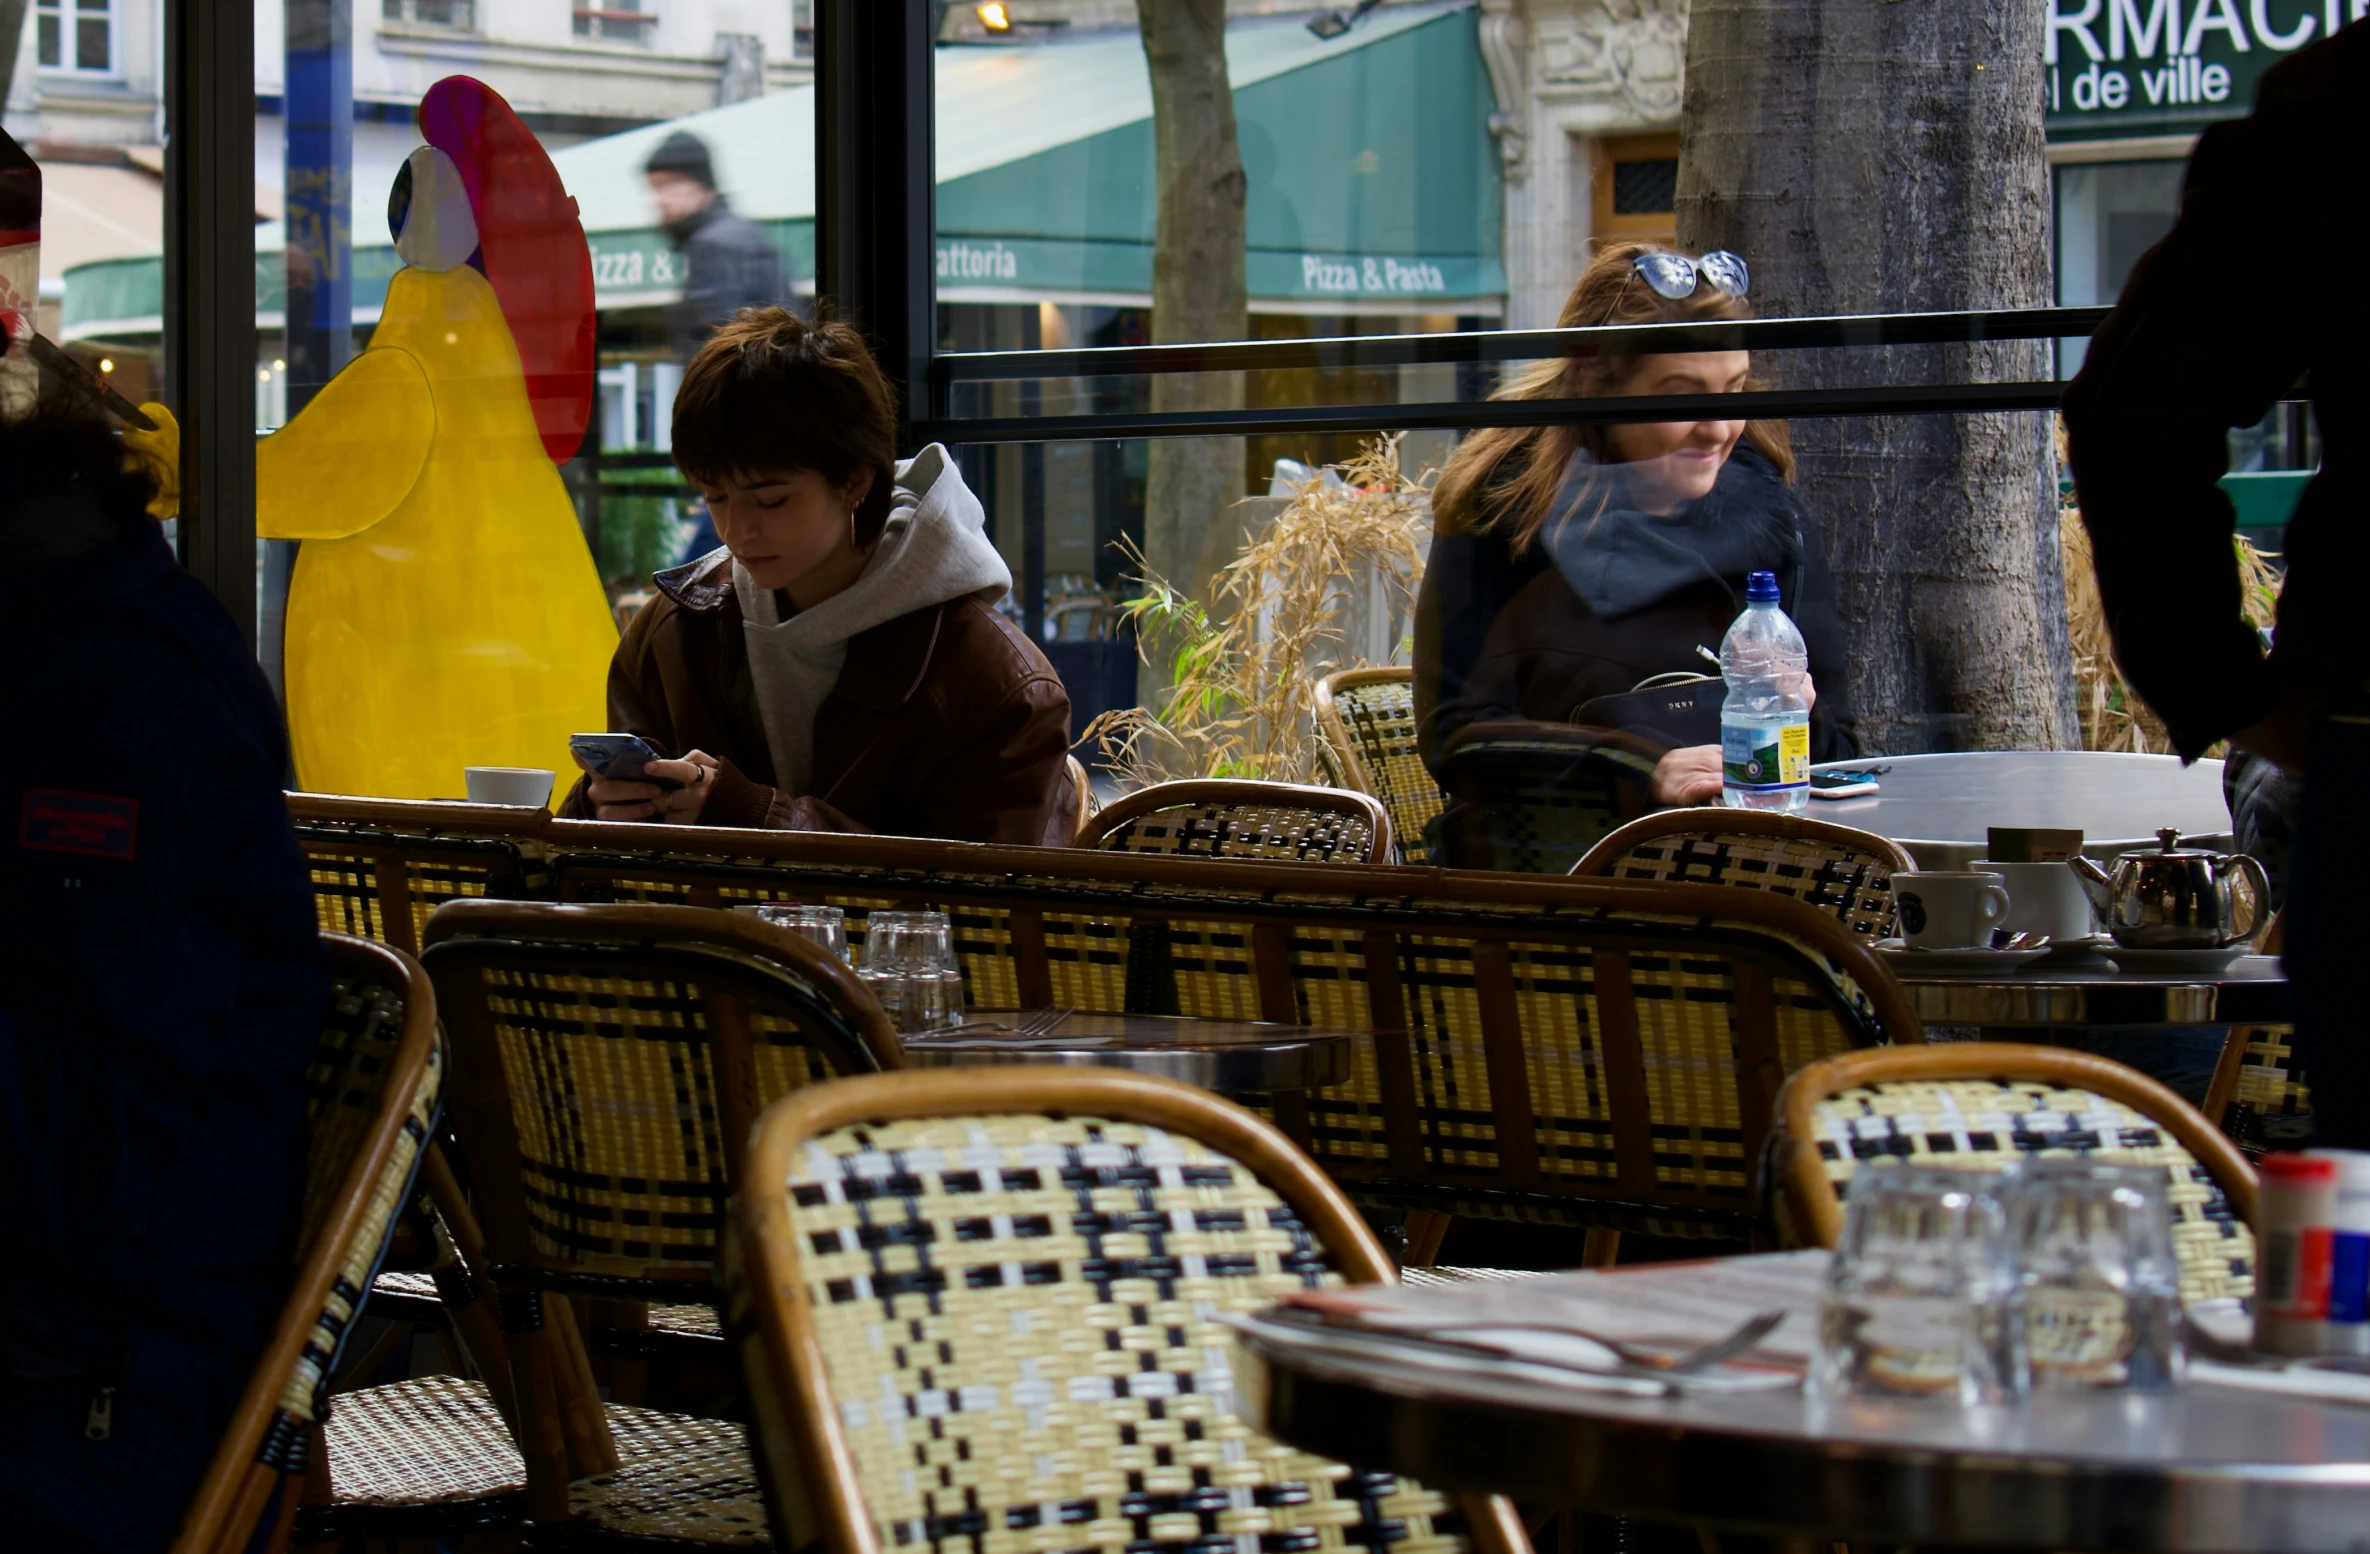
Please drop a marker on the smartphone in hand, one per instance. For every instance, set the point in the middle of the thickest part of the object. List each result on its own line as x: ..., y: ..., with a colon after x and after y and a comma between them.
x: 618, y: 757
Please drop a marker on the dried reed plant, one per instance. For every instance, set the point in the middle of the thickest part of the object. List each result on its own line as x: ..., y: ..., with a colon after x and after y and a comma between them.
x: 1243, y: 673
x: 2113, y: 716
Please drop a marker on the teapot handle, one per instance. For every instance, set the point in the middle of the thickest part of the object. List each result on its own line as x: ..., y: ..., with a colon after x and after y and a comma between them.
x: 2258, y: 896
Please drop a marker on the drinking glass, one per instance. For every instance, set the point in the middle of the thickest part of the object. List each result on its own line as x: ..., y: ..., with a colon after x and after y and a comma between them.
x: 910, y: 965
x: 1921, y: 1294
x: 826, y: 925
x: 2101, y: 1289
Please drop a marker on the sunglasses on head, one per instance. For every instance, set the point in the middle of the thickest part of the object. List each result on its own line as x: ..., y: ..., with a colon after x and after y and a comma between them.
x: 1674, y: 277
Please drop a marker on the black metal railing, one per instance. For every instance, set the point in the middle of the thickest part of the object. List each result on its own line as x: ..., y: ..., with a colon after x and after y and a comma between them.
x: 1372, y: 351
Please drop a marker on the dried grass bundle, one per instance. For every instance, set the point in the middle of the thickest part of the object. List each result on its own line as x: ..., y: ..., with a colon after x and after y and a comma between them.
x: 2113, y: 716
x: 1243, y: 679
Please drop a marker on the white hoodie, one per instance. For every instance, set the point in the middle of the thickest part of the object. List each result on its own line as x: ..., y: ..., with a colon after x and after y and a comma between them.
x: 933, y: 549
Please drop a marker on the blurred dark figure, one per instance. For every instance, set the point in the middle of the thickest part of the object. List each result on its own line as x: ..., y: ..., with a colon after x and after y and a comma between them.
x: 2263, y: 798
x: 2179, y: 363
x: 161, y: 988
x: 729, y: 265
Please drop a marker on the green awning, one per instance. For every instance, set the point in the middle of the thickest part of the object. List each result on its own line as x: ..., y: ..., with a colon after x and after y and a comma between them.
x: 1372, y: 179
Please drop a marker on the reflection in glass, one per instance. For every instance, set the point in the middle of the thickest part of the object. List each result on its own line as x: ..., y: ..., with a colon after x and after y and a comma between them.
x: 444, y: 612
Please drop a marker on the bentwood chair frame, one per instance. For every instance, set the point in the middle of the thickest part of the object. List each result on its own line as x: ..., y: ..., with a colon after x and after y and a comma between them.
x: 1234, y: 818
x: 1535, y: 797
x: 1839, y: 869
x: 1582, y: 1052
x: 574, y: 1195
x: 814, y: 1481
x: 380, y: 866
x: 1367, y: 717
x: 1804, y: 1158
x: 386, y: 1095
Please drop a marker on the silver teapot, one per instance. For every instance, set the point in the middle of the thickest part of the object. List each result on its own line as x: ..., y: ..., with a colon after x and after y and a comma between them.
x: 2178, y: 898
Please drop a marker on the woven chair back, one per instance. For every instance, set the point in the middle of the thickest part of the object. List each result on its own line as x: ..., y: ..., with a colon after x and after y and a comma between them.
x: 2269, y: 1104
x: 608, y: 1064
x: 372, y: 1093
x: 1368, y: 719
x: 986, y: 1312
x: 380, y: 866
x: 1581, y: 1051
x: 1845, y: 872
x: 1218, y: 818
x: 1533, y: 798
x: 1977, y: 1104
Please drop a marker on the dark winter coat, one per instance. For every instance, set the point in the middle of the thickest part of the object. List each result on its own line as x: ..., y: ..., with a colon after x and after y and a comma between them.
x: 1501, y: 637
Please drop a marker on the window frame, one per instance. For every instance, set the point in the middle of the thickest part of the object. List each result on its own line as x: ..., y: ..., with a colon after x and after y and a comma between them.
x: 71, y: 14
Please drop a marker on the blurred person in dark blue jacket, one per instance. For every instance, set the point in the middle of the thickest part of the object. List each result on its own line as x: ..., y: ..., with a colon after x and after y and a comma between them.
x: 2170, y: 372
x: 162, y: 985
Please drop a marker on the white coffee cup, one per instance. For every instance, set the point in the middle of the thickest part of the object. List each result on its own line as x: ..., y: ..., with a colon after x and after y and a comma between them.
x: 526, y: 786
x: 2045, y: 898
x: 1949, y: 910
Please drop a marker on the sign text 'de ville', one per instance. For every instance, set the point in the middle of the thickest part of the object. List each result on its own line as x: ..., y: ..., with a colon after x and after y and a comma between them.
x: 2144, y: 62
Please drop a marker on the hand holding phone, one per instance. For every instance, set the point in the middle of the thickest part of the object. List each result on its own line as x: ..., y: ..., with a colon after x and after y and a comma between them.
x: 618, y: 758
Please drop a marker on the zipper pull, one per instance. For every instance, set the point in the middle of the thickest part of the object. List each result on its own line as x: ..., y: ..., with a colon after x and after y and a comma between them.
x: 99, y: 1423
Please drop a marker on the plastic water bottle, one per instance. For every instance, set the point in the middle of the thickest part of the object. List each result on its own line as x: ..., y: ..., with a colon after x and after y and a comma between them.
x: 1765, y: 722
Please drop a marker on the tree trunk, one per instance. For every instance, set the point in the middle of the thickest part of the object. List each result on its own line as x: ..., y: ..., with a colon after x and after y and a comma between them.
x: 1198, y: 289
x: 12, y: 32
x: 1885, y: 158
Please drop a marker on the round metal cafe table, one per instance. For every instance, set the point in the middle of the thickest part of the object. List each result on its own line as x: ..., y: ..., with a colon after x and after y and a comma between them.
x: 1941, y: 807
x: 2199, y: 1471
x: 2090, y: 991
x: 1231, y: 1057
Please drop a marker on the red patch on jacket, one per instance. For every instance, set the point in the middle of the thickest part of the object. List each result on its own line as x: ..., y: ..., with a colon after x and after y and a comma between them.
x: 93, y: 825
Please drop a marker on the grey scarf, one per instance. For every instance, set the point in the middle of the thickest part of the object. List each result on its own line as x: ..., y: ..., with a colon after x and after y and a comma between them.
x: 1619, y: 559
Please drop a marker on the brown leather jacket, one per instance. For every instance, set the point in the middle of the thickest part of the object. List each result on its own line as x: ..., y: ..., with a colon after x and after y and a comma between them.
x: 945, y: 722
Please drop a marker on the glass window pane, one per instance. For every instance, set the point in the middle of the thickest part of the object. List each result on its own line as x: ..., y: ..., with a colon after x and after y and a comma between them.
x: 90, y: 48
x: 46, y: 36
x: 528, y: 494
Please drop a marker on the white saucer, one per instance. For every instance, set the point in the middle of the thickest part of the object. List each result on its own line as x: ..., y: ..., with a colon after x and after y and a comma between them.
x: 1906, y: 961
x: 2205, y: 961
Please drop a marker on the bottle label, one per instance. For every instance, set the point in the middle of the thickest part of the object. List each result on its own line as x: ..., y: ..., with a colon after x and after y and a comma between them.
x: 2349, y: 1276
x: 1753, y: 757
x: 2294, y: 1268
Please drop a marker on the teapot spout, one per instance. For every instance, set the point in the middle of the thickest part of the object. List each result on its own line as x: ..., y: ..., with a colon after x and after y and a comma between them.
x: 2097, y: 883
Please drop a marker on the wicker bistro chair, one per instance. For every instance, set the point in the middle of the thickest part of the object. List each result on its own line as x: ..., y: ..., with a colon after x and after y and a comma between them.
x: 1227, y: 818
x: 608, y: 1063
x: 1837, y: 869
x: 380, y: 866
x: 1592, y: 1053
x: 1368, y: 719
x: 1535, y: 797
x: 1975, y: 1104
x: 372, y: 1092
x: 1035, y: 1261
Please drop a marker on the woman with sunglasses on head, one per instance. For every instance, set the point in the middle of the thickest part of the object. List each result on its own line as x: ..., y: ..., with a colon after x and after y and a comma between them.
x: 1572, y: 562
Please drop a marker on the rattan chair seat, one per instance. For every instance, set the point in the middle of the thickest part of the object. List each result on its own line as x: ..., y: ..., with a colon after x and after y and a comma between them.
x: 421, y: 1457
x: 674, y: 1331
x: 1436, y: 1278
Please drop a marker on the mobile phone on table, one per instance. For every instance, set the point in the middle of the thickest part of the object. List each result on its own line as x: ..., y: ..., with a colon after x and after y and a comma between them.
x: 618, y: 757
x: 1842, y: 785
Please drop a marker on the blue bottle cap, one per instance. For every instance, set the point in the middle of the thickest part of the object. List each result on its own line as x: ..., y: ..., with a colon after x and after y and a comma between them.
x: 1761, y: 588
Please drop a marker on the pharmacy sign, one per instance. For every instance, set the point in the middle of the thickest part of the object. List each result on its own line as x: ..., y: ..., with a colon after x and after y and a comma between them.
x: 2123, y: 67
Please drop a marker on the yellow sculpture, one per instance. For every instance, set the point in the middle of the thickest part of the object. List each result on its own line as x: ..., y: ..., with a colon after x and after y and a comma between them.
x: 444, y: 611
